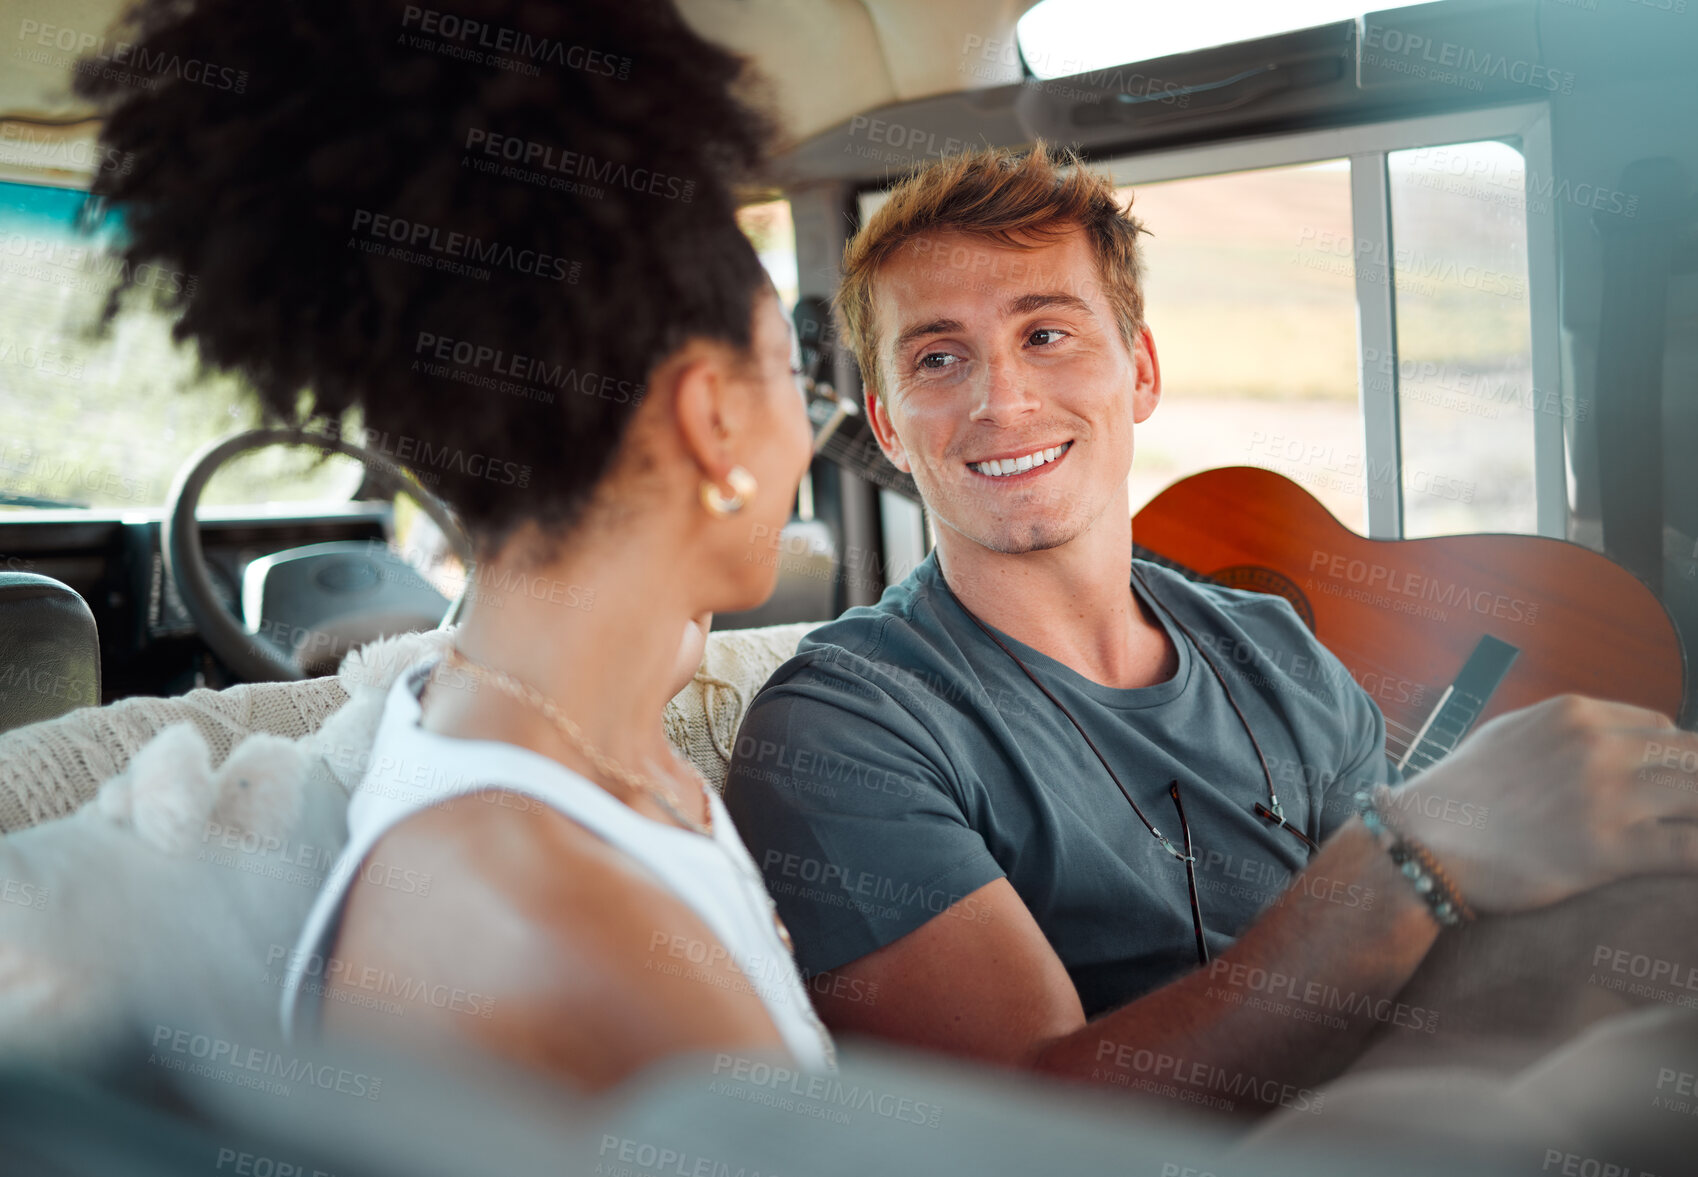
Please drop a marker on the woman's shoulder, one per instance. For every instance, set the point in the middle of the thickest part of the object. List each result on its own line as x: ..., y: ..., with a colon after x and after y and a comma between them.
x: 550, y: 934
x: 515, y: 844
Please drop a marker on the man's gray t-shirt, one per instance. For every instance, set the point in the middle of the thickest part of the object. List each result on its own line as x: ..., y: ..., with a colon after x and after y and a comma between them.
x: 901, y: 761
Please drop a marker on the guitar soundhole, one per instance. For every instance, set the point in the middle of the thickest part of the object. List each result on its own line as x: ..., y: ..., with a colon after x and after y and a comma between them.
x: 1265, y: 580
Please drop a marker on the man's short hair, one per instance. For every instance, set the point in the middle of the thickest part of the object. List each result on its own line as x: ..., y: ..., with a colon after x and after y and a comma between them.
x: 1007, y: 197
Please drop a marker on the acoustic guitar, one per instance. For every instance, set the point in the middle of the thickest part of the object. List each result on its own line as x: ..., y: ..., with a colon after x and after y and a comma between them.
x: 1443, y: 633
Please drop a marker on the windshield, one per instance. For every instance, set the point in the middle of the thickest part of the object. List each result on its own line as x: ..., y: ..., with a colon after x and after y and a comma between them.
x: 105, y: 421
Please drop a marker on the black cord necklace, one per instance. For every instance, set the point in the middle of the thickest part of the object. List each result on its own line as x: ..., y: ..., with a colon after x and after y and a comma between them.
x: 1272, y: 811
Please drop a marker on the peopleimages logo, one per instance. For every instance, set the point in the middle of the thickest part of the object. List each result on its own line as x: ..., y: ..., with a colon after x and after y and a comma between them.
x: 810, y: 878
x: 250, y: 1164
x: 537, y: 377
x: 414, y: 235
x: 526, y: 154
x: 24, y: 894
x: 41, y: 359
x: 1448, y: 61
x: 21, y: 144
x: 1322, y: 996
x: 1491, y: 178
x: 253, y: 1066
x: 1415, y: 268
x: 1400, y: 581
x: 1194, y: 1081
x: 89, y: 267
x: 827, y: 1090
x: 424, y: 457
x: 120, y: 58
x: 335, y: 971
x: 641, y: 1159
x: 492, y: 41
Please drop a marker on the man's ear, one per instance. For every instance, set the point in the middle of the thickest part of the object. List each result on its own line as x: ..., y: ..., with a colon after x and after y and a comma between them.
x: 1146, y: 388
x: 892, y: 445
x: 699, y: 380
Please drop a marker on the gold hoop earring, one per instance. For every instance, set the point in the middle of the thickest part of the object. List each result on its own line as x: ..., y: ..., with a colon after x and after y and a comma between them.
x: 743, y: 489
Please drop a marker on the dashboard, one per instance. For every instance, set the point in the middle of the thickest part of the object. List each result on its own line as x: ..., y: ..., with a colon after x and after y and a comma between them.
x: 148, y: 643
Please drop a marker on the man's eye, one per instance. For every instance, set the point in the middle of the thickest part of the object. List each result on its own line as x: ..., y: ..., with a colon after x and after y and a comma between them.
x: 938, y: 359
x: 1034, y: 337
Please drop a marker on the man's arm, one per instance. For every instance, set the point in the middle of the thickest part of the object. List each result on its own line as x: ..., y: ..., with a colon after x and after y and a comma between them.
x: 1569, y: 812
x: 995, y: 990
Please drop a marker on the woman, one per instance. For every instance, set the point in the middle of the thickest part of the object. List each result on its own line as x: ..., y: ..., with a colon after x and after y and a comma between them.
x: 504, y: 237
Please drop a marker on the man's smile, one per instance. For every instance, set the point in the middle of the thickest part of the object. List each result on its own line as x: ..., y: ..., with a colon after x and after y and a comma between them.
x: 1016, y: 465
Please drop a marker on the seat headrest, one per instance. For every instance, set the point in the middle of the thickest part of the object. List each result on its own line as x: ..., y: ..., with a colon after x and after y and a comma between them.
x: 49, y: 650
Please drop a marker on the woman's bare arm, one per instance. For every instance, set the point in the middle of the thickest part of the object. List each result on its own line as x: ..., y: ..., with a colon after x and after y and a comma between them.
x: 513, y: 929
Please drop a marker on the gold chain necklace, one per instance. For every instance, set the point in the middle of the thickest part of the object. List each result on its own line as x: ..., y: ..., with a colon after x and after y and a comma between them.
x: 604, y: 764
x: 608, y: 766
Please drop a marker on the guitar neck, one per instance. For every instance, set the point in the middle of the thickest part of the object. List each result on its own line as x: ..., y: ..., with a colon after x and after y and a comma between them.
x: 1461, y: 704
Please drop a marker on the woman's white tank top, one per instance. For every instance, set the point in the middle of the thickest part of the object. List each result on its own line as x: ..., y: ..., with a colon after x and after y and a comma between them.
x: 412, y: 769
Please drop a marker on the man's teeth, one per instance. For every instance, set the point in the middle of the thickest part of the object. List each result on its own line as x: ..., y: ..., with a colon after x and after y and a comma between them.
x: 998, y: 467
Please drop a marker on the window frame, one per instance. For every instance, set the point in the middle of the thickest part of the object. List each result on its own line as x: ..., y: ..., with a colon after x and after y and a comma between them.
x: 1367, y: 147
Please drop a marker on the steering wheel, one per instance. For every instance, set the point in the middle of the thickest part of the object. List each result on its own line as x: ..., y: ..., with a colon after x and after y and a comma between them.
x: 247, y: 651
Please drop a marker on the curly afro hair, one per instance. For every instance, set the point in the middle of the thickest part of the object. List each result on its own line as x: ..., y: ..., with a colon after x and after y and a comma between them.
x: 482, y: 224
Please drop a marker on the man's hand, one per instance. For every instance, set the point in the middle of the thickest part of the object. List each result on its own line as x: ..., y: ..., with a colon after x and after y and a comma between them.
x: 1576, y: 793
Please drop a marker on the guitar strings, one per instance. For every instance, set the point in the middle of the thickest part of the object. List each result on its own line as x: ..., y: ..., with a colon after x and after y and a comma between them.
x: 1400, y: 737
x: 1400, y: 746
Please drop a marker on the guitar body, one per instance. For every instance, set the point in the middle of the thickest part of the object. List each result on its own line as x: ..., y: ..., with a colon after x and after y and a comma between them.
x: 1406, y: 615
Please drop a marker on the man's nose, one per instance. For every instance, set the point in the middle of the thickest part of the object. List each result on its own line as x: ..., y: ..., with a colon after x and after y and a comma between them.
x: 1004, y: 392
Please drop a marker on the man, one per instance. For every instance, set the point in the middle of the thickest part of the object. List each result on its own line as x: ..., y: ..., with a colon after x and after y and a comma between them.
x: 973, y: 801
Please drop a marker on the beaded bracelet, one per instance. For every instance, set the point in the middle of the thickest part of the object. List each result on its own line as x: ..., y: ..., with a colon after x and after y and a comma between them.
x: 1417, y: 864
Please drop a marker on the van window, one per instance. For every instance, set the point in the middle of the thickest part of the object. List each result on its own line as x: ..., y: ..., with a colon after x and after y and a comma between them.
x: 768, y: 226
x: 1466, y: 399
x: 1254, y: 317
x: 1368, y: 310
x: 1251, y: 294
